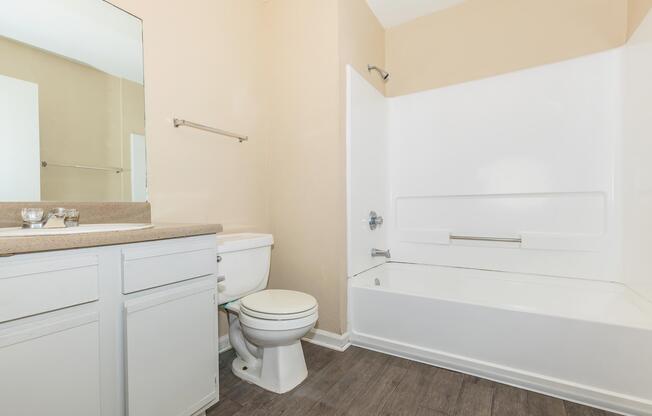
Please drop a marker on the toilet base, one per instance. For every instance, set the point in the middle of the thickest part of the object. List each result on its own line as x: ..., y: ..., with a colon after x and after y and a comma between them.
x: 279, y: 370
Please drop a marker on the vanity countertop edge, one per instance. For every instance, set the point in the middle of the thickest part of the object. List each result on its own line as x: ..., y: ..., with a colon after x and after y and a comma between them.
x: 160, y: 231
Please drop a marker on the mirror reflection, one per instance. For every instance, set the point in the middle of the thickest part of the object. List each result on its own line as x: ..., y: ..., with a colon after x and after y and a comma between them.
x: 72, y: 108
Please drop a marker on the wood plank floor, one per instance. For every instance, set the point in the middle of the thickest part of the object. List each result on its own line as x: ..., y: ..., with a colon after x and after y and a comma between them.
x: 361, y: 382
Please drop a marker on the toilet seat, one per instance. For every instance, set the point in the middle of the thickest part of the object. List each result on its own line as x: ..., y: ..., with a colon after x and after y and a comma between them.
x: 278, y: 310
x: 276, y: 317
x: 278, y: 305
x: 278, y: 325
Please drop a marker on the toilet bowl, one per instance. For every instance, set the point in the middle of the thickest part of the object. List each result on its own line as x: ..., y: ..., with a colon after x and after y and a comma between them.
x: 268, y: 342
x: 265, y: 326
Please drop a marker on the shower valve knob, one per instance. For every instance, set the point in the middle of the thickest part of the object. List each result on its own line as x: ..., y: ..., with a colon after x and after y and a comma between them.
x: 375, y: 220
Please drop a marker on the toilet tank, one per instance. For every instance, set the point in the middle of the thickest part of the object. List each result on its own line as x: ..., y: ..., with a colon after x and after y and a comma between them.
x: 243, y: 262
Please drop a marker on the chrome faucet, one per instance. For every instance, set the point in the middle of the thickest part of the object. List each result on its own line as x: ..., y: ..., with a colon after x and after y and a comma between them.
x: 55, y: 218
x: 380, y: 253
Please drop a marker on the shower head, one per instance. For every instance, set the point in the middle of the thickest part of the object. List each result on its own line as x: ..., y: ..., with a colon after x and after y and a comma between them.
x: 383, y: 74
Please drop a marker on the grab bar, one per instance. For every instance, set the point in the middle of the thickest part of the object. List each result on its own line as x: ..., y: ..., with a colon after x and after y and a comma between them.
x: 492, y: 239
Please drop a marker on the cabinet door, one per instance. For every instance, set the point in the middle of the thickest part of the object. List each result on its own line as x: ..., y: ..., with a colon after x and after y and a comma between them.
x: 51, y: 366
x: 172, y: 350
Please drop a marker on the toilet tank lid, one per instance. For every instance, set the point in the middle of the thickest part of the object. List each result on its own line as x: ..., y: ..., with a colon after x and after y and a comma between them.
x: 227, y: 243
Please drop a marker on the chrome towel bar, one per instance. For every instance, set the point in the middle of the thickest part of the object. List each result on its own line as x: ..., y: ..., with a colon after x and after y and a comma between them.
x: 492, y: 239
x: 66, y: 165
x: 179, y: 123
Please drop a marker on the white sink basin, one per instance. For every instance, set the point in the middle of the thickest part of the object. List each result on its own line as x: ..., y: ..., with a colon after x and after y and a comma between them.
x: 82, y: 229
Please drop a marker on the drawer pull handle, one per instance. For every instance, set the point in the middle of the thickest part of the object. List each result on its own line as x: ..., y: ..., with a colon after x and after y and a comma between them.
x: 219, y: 259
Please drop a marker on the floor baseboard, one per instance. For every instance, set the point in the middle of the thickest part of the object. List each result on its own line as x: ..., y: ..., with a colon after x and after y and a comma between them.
x: 316, y: 336
x: 327, y: 339
x: 565, y: 390
x: 223, y: 343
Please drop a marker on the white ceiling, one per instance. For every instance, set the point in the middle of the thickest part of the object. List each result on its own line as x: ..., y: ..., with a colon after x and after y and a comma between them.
x: 394, y: 12
x: 90, y: 31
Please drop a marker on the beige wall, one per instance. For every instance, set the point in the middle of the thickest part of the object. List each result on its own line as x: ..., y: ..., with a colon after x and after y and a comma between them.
x: 203, y: 63
x: 308, y: 44
x: 307, y: 196
x: 270, y: 70
x: 361, y: 40
x: 481, y: 38
x: 637, y: 10
x: 85, y: 115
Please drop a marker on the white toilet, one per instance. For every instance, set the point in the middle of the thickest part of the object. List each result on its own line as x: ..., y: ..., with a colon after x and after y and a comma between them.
x: 265, y: 326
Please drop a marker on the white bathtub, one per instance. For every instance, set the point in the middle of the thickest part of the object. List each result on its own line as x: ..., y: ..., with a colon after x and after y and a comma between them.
x: 576, y: 339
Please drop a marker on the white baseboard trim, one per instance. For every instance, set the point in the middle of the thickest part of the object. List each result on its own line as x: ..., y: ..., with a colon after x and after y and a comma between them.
x: 316, y: 336
x: 223, y: 343
x: 327, y: 339
x: 602, y: 399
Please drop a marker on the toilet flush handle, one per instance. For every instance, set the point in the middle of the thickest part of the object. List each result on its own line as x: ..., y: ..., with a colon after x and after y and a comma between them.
x: 221, y: 278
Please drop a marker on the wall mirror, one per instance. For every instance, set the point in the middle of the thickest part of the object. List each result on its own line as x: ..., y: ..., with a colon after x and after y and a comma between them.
x: 72, y: 106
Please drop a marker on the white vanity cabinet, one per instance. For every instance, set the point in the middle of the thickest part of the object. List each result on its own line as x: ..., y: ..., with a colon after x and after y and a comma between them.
x: 127, y: 330
x: 171, y: 345
x: 49, y: 344
x: 170, y: 328
x: 51, y: 365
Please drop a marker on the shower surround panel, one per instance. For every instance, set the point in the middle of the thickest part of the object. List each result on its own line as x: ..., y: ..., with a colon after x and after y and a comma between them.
x: 525, y: 155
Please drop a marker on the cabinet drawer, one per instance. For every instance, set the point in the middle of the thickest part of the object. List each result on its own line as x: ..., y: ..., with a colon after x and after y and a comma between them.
x: 167, y: 262
x: 30, y: 287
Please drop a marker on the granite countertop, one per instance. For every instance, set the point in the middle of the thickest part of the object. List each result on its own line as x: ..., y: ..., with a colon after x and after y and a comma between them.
x: 19, y: 245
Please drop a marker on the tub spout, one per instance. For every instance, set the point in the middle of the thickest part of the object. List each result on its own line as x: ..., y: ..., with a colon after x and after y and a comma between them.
x: 380, y: 253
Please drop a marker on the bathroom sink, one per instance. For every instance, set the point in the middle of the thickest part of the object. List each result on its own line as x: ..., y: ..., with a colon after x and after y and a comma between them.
x: 82, y: 229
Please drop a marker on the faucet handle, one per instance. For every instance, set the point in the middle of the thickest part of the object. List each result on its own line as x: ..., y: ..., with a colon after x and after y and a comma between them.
x: 375, y: 220
x: 32, y: 214
x: 32, y: 217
